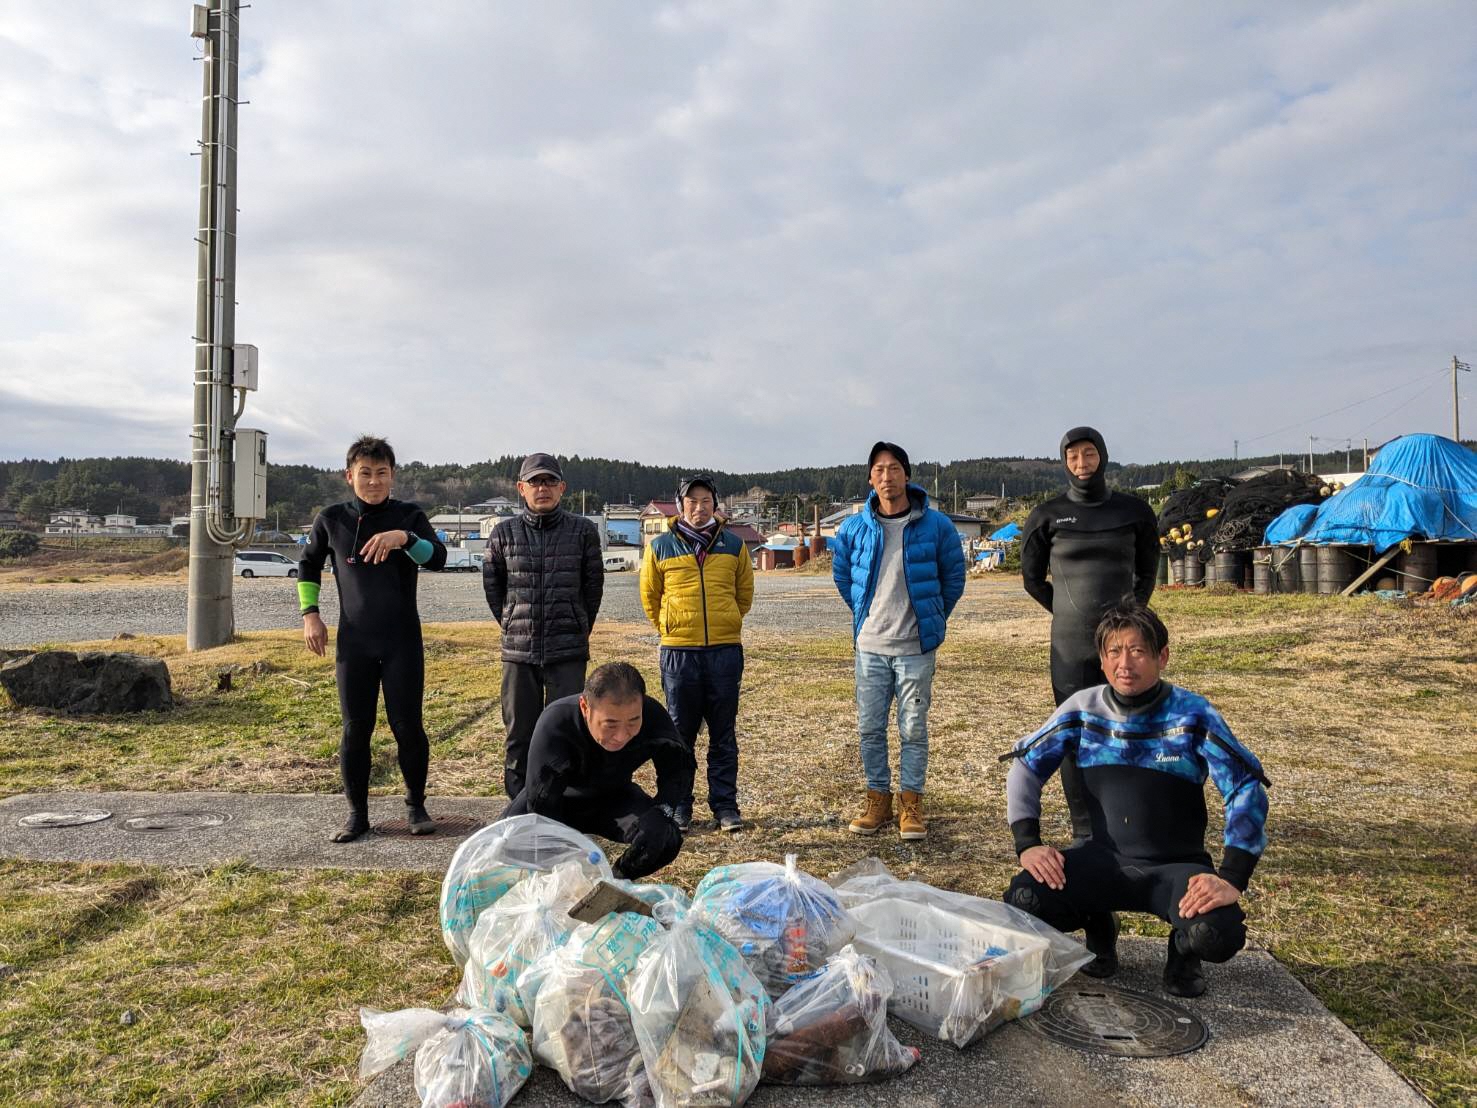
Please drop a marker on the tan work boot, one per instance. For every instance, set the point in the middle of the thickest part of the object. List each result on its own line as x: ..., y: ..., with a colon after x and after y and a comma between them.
x: 876, y: 815
x: 910, y: 823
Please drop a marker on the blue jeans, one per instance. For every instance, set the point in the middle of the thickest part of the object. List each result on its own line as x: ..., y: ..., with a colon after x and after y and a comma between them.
x: 879, y: 679
x: 703, y: 685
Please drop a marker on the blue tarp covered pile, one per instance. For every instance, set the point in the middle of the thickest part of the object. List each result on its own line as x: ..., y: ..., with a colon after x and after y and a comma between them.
x: 1008, y: 533
x: 1420, y: 486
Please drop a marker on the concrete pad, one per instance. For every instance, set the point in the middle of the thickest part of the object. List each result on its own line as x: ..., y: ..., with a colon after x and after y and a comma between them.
x: 273, y: 831
x: 1271, y: 1041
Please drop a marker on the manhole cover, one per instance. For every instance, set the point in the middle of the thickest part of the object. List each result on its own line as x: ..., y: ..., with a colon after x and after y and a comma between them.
x: 1102, y: 1020
x: 176, y: 821
x: 452, y: 827
x: 63, y: 819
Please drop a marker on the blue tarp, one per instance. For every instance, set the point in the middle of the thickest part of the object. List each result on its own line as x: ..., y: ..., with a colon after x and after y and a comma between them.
x: 1420, y: 486
x: 1007, y: 533
x: 1290, y: 525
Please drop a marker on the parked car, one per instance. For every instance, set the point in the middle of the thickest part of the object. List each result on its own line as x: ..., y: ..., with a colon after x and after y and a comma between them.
x: 264, y: 563
x: 614, y: 563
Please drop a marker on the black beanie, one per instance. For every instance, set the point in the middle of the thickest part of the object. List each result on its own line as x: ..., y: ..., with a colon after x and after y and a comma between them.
x: 896, y: 451
x: 1086, y: 489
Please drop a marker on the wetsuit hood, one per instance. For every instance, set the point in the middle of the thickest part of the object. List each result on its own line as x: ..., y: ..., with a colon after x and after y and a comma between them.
x: 365, y: 508
x: 1086, y: 490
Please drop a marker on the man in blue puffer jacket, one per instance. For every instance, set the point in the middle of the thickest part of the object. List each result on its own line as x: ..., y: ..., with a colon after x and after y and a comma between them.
x: 899, y: 565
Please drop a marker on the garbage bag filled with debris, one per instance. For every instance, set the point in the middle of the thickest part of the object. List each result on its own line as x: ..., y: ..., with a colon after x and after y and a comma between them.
x: 961, y: 965
x: 525, y: 922
x: 698, y: 1012
x: 831, y: 1029
x: 581, y: 1019
x: 784, y: 922
x: 462, y: 1057
x: 494, y: 859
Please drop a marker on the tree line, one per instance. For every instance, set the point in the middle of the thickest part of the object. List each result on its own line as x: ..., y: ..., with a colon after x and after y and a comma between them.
x: 154, y: 489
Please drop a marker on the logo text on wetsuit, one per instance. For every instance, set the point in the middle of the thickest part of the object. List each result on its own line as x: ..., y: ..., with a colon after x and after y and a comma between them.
x: 1068, y: 519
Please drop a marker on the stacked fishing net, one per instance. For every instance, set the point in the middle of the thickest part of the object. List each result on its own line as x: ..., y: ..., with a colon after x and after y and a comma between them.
x: 1189, y: 518
x: 1250, y: 506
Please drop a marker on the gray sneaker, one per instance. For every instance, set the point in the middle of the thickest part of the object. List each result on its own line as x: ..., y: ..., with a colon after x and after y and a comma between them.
x: 730, y: 822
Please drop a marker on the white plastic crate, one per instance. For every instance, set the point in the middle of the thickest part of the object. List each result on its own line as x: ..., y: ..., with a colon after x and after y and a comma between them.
x: 954, y: 977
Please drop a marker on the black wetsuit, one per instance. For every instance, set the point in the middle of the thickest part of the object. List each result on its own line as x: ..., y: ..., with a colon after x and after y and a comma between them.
x: 378, y: 643
x: 575, y: 780
x: 1144, y: 763
x: 1098, y: 547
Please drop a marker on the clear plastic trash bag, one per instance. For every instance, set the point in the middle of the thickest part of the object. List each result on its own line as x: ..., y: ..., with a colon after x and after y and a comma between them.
x: 462, y: 1057
x: 961, y: 965
x: 698, y: 1012
x: 784, y: 922
x: 494, y: 859
x: 525, y: 922
x: 581, y: 1018
x: 831, y: 1029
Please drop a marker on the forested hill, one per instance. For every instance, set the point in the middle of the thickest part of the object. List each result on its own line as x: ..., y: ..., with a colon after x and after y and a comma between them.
x: 154, y: 489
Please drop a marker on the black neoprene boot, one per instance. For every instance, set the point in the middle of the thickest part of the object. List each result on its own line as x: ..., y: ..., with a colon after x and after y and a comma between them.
x: 355, y: 826
x: 419, y: 819
x: 1182, y: 975
x: 1100, y: 933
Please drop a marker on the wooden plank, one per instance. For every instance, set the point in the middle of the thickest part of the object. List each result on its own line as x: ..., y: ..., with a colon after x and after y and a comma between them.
x: 1372, y: 570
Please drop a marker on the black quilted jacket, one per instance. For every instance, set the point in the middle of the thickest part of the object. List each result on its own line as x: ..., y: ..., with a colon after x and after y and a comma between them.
x: 544, y: 577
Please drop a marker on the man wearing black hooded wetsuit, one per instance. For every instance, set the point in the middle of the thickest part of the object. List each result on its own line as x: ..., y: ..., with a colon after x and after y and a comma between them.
x: 1098, y: 546
x: 378, y: 546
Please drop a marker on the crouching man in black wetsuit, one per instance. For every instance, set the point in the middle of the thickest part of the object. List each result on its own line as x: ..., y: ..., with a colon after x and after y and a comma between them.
x: 582, y: 755
x: 378, y: 546
x: 1145, y: 748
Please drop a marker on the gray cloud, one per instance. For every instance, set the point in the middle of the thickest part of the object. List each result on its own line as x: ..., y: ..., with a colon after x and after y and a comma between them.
x: 749, y: 234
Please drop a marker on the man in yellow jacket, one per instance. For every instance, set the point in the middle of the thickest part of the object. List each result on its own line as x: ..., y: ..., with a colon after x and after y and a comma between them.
x: 697, y: 584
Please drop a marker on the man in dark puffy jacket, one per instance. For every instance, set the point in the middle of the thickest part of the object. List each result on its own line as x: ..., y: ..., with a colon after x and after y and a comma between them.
x: 544, y: 578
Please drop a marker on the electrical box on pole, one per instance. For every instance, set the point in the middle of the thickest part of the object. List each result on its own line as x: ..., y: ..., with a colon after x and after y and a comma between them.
x: 250, y: 501
x: 243, y: 367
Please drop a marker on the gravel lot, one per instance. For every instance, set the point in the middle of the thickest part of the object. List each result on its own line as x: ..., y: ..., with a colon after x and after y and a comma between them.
x: 78, y: 613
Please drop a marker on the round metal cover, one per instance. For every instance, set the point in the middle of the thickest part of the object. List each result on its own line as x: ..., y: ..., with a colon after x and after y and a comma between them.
x: 176, y: 821
x: 1102, y: 1020
x: 75, y: 818
x: 452, y: 827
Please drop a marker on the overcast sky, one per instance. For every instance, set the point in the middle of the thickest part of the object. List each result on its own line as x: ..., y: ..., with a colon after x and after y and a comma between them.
x: 750, y: 235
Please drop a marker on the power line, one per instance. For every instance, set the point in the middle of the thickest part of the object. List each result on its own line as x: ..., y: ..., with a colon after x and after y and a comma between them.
x: 1304, y: 422
x: 1402, y: 407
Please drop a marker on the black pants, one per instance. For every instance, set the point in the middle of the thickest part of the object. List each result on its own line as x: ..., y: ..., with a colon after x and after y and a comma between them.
x: 1072, y: 787
x: 401, y: 673
x: 1099, y: 880
x: 624, y: 814
x: 703, y: 686
x: 527, y: 689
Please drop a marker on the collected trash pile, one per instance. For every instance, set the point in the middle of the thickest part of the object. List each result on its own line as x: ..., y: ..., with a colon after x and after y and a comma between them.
x: 635, y: 995
x: 1218, y: 514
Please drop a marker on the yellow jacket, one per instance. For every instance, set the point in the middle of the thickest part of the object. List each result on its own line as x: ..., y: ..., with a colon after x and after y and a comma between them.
x: 692, y: 606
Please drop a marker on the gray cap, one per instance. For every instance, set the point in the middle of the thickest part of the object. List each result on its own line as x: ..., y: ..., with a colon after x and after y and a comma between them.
x: 535, y: 464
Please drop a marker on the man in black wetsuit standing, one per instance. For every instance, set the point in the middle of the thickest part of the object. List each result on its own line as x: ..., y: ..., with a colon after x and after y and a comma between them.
x: 378, y: 546
x: 1098, y: 546
x: 582, y: 756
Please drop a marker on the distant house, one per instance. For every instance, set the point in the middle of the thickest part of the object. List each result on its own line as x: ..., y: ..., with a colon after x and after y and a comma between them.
x: 8, y: 519
x: 749, y: 503
x: 769, y: 556
x: 460, y: 525
x: 73, y: 521
x: 119, y: 524
x: 654, y: 518
x: 832, y: 523
x: 498, y: 505
x: 969, y: 527
x: 985, y: 502
x: 746, y: 534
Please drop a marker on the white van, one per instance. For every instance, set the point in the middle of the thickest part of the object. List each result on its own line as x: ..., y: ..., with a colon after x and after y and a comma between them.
x: 264, y: 563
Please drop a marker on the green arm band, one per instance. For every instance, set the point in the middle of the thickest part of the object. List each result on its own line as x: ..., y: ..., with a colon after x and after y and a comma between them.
x: 420, y: 551
x: 307, y: 594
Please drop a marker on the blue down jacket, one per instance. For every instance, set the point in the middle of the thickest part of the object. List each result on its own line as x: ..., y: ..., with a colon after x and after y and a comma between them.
x: 933, y: 561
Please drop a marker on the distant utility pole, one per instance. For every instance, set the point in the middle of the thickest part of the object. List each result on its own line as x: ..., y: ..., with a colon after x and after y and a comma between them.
x: 1235, y: 450
x: 1310, y: 454
x: 1366, y: 452
x: 1456, y: 403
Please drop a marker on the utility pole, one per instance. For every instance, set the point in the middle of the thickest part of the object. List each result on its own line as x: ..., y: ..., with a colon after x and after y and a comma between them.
x: 1366, y: 453
x: 210, y: 619
x: 1456, y: 403
x: 1310, y: 453
x: 956, y: 496
x: 1348, y: 452
x: 1235, y: 450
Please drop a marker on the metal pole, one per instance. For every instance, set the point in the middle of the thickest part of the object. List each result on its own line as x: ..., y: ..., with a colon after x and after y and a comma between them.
x: 1366, y: 452
x: 1310, y: 454
x: 1235, y: 450
x: 1456, y: 402
x: 210, y: 620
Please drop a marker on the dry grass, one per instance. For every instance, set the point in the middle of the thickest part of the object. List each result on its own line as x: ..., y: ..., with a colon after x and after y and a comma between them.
x: 92, y: 564
x: 1361, y: 710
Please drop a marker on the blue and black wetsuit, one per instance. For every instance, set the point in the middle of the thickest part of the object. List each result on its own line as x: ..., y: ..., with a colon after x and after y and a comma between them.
x: 1144, y: 763
x: 378, y: 643
x: 1098, y: 546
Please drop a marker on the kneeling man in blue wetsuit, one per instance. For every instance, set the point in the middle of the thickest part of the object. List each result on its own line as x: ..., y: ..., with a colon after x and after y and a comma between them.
x: 1145, y: 748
